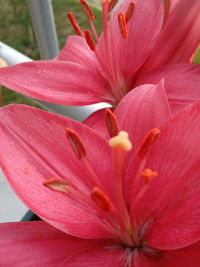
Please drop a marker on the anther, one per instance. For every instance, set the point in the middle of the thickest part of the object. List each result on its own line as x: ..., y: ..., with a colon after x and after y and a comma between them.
x: 57, y: 184
x: 122, y: 25
x: 148, y: 142
x: 129, y: 12
x: 148, y: 175
x: 111, y: 123
x: 89, y: 40
x: 76, y: 143
x: 105, y: 2
x: 87, y: 10
x: 112, y: 4
x: 121, y: 141
x: 74, y: 23
x: 101, y: 200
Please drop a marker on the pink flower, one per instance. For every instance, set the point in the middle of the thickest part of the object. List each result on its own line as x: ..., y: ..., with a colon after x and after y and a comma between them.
x: 143, y: 42
x: 116, y: 205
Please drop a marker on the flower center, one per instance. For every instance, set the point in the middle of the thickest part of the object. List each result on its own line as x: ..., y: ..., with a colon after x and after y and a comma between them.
x: 110, y: 62
x: 112, y: 209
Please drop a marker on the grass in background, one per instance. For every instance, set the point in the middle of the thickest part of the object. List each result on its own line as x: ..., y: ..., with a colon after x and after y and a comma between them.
x: 16, y: 30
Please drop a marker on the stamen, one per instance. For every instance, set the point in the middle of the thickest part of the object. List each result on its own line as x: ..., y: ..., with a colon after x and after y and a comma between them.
x: 105, y: 1
x: 76, y: 143
x: 111, y: 123
x: 148, y: 175
x: 89, y: 40
x: 112, y: 4
x: 122, y: 25
x: 87, y: 10
x: 74, y: 23
x: 148, y: 142
x: 101, y: 200
x: 167, y: 4
x: 129, y: 12
x: 57, y: 184
x: 121, y: 141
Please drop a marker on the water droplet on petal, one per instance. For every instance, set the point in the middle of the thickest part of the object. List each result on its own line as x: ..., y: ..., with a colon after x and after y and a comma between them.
x: 26, y: 170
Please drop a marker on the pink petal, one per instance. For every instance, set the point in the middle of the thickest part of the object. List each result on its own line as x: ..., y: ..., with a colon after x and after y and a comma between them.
x: 170, y: 208
x: 182, y: 83
x: 76, y: 50
x: 34, y: 244
x: 99, y: 254
x: 96, y: 121
x: 141, y: 34
x: 179, y: 38
x: 185, y: 257
x: 34, y: 148
x: 144, y: 108
x: 143, y: 29
x: 39, y: 244
x: 146, y: 103
x: 56, y: 81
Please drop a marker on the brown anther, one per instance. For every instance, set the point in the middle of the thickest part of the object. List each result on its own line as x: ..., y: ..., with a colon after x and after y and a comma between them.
x: 57, y: 184
x: 112, y: 4
x: 111, y: 123
x: 148, y: 142
x: 129, y: 12
x: 148, y: 175
x: 74, y: 23
x: 89, y: 40
x: 76, y: 143
x: 101, y: 200
x: 87, y: 10
x: 122, y: 25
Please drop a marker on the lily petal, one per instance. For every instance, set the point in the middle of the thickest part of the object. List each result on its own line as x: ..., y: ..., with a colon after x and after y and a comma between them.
x: 147, y: 102
x: 143, y: 30
x: 140, y: 34
x: 182, y: 83
x: 56, y: 81
x: 170, y: 205
x: 76, y: 50
x: 179, y: 47
x: 35, y: 143
x: 37, y: 243
x: 188, y: 256
x: 144, y: 108
x: 96, y: 121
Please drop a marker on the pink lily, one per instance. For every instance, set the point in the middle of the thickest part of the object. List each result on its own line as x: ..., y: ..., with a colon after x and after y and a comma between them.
x: 115, y: 205
x: 144, y: 41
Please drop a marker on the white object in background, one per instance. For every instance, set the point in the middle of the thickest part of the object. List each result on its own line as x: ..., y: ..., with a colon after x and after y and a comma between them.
x: 44, y: 27
x: 11, y: 208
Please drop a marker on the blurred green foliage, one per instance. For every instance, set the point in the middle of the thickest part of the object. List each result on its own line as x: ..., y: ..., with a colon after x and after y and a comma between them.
x: 16, y: 30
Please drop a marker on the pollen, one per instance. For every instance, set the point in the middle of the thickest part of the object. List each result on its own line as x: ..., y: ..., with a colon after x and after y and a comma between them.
x: 57, y: 184
x: 101, y: 200
x: 87, y: 10
x: 74, y: 23
x: 111, y: 123
x: 112, y: 4
x: 122, y: 25
x: 105, y: 1
x: 148, y: 141
x: 148, y: 175
x: 76, y: 143
x: 89, y: 40
x: 129, y: 12
x: 121, y: 141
